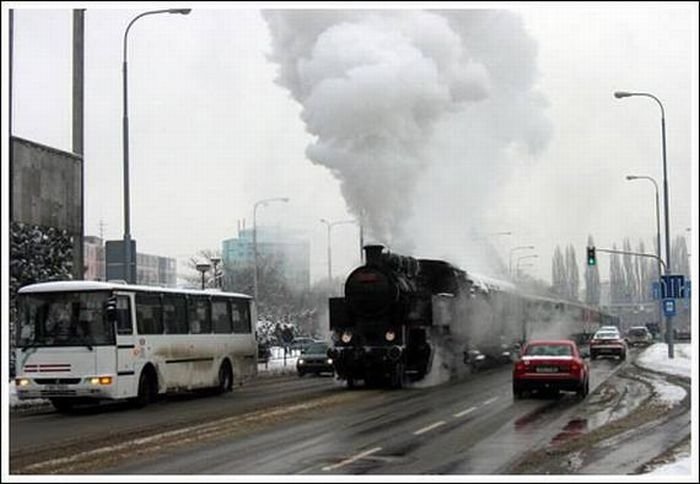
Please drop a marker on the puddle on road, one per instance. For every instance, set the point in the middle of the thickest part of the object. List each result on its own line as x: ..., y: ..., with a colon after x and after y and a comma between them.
x: 574, y: 428
x: 615, y: 400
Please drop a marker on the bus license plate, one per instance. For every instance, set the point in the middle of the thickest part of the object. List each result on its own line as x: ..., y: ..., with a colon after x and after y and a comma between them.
x: 56, y: 388
x: 547, y: 369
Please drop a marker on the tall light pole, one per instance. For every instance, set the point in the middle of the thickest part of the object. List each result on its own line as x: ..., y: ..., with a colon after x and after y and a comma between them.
x: 510, y: 256
x: 517, y: 265
x: 203, y: 268
x: 658, y: 224
x: 330, y: 225
x: 255, y: 239
x: 125, y: 142
x: 623, y: 94
x: 215, y: 261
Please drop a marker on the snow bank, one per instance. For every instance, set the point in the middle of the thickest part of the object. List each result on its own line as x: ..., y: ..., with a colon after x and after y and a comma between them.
x: 656, y: 358
x: 680, y: 467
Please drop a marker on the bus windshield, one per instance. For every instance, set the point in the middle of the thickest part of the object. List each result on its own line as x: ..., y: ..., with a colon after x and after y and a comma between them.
x: 64, y: 319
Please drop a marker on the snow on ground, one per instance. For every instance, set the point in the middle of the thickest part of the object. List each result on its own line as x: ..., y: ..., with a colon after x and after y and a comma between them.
x: 680, y: 467
x: 656, y: 358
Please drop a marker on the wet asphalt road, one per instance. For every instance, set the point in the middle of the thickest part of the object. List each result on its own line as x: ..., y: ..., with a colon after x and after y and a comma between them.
x: 287, y: 425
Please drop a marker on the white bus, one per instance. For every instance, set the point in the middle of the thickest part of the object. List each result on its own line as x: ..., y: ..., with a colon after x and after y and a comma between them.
x: 82, y: 341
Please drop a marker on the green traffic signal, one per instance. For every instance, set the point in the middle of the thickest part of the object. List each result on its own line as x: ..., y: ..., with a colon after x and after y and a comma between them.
x: 591, y: 256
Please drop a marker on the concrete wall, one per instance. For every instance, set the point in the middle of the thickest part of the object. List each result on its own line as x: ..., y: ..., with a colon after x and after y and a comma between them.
x: 47, y: 190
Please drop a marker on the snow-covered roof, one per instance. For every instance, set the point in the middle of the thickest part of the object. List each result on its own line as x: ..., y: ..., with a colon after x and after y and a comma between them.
x: 64, y: 286
x: 490, y: 284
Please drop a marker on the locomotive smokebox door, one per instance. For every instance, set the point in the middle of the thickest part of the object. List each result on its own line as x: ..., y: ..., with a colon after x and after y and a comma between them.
x: 338, y: 313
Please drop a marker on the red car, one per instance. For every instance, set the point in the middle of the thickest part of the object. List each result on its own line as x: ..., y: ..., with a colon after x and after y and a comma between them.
x: 550, y: 365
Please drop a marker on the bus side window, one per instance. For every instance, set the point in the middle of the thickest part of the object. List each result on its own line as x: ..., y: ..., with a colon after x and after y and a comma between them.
x: 198, y: 315
x: 241, y: 317
x: 149, y: 313
x: 124, y: 316
x: 174, y: 314
x: 220, y: 316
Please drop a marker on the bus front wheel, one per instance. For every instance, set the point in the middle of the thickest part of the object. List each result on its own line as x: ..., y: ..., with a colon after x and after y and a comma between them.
x: 147, y: 388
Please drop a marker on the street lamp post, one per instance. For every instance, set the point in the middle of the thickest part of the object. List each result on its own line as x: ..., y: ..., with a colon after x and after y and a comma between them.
x: 623, y: 94
x: 215, y: 261
x: 510, y: 256
x: 517, y: 265
x: 658, y: 223
x: 125, y: 143
x: 330, y: 226
x: 255, y: 239
x: 203, y: 268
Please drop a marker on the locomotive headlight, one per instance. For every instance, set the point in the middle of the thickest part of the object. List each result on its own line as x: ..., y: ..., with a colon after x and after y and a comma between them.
x: 346, y: 337
x: 390, y: 335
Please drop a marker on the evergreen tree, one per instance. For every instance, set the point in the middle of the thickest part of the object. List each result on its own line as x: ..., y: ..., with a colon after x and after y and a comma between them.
x: 617, y: 279
x: 679, y: 257
x: 558, y: 273
x: 630, y: 281
x: 572, y: 275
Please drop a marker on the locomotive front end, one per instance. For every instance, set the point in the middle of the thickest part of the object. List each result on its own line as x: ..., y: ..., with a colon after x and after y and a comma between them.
x: 369, y: 324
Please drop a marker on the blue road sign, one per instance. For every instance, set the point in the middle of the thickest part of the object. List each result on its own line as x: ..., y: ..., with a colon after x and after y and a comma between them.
x: 672, y: 286
x: 669, y: 307
x: 656, y: 290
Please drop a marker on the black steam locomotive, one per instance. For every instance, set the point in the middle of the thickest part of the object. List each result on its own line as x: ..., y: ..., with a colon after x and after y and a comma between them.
x: 403, y: 319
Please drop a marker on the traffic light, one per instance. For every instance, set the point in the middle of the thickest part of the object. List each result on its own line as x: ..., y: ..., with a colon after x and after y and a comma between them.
x: 591, y: 255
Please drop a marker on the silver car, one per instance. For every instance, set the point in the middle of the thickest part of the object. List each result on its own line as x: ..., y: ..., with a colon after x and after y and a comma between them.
x: 639, y: 335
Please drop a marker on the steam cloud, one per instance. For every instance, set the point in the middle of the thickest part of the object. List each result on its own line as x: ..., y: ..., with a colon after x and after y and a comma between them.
x: 388, y: 93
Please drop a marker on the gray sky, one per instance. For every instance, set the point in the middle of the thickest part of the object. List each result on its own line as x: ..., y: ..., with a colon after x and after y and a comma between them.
x: 536, y: 145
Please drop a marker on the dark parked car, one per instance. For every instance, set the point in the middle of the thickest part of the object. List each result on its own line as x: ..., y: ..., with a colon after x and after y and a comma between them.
x: 314, y: 359
x: 301, y: 343
x: 550, y: 365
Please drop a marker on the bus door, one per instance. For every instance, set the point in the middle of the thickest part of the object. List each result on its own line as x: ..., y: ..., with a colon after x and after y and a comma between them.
x: 127, y: 353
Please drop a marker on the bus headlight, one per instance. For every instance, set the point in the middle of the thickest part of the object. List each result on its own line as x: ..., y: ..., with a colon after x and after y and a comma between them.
x: 21, y: 382
x: 101, y: 380
x: 346, y: 337
x: 329, y: 361
x: 390, y: 336
x: 300, y: 361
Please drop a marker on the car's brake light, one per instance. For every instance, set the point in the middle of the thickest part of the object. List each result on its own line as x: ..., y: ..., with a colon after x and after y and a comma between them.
x: 520, y: 367
x: 574, y: 367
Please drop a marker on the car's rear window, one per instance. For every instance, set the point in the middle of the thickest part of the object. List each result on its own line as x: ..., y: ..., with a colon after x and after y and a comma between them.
x: 638, y: 332
x: 606, y: 335
x: 548, y: 350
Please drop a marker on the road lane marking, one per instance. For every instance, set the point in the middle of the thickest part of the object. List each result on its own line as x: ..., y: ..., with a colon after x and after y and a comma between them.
x: 490, y: 400
x: 352, y: 459
x: 464, y: 412
x: 429, y: 427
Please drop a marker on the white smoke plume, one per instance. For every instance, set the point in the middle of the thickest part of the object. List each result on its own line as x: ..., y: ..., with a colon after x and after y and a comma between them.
x: 409, y: 103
